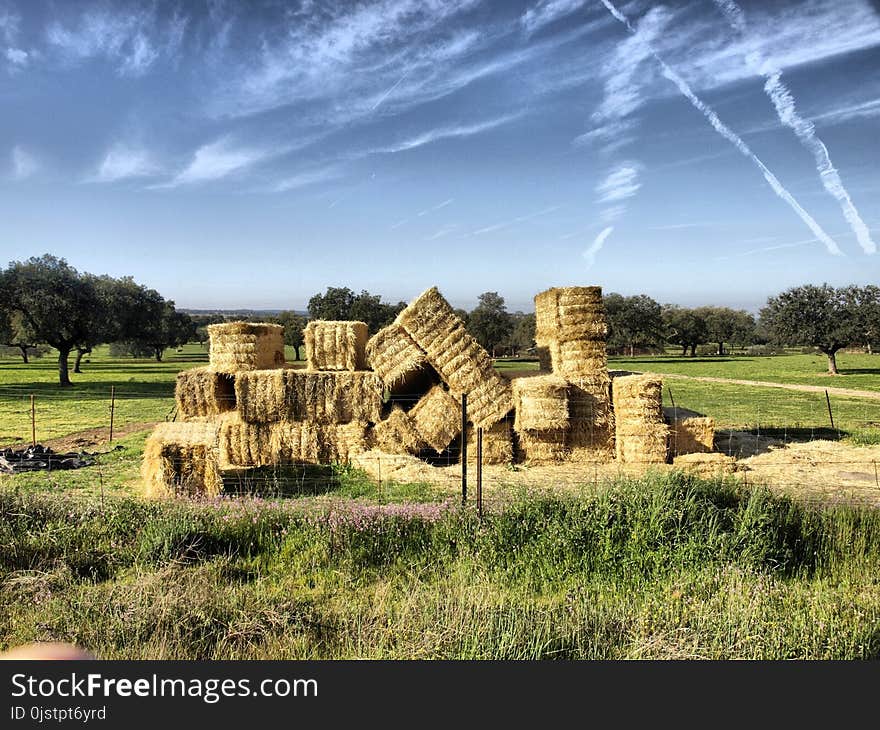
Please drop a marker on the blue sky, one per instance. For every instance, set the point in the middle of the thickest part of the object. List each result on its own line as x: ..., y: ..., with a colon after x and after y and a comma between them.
x: 251, y: 154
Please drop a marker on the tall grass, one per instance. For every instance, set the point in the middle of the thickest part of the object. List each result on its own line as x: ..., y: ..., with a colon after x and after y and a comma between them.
x: 666, y: 566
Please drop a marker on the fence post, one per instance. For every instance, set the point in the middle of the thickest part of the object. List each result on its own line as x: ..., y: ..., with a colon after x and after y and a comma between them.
x: 669, y: 390
x: 112, y: 409
x: 33, y: 420
x: 480, y: 473
x: 463, y: 448
x: 830, y: 414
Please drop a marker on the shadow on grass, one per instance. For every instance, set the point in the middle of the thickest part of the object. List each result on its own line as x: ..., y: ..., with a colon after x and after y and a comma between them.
x: 283, y: 481
x: 92, y: 390
x: 859, y: 371
x: 679, y: 359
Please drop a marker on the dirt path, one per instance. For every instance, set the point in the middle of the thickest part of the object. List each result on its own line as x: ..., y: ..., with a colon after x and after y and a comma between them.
x: 88, y: 439
x: 846, y: 392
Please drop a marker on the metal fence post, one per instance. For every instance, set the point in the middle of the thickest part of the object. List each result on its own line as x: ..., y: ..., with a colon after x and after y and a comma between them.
x: 830, y: 414
x: 33, y: 420
x: 112, y: 409
x: 480, y: 473
x: 463, y: 448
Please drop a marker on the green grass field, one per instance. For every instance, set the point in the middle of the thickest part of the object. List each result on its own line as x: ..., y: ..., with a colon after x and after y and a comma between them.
x: 662, y: 567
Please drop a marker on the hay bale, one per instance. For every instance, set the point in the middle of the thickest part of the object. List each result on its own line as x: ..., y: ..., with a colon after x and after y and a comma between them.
x: 437, y: 418
x: 342, y: 442
x: 393, y: 355
x: 689, y: 432
x: 182, y: 458
x: 581, y: 358
x: 458, y: 358
x: 204, y: 392
x: 542, y: 447
x: 591, y: 433
x: 296, y: 442
x: 638, y: 414
x: 336, y: 345
x: 706, y: 465
x: 397, y: 434
x: 497, y: 443
x: 541, y: 403
x: 245, y: 444
x: 268, y: 396
x: 570, y: 323
x: 242, y: 346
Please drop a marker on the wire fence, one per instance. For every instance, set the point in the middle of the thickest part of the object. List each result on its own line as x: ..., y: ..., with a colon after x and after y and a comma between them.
x: 815, y: 445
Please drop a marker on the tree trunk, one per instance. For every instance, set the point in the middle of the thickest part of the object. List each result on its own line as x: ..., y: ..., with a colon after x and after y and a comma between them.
x: 79, y: 356
x: 870, y: 351
x: 832, y: 363
x: 720, y: 348
x: 693, y: 350
x: 63, y: 374
x: 24, y: 355
x: 159, y: 351
x: 684, y: 350
x: 632, y: 351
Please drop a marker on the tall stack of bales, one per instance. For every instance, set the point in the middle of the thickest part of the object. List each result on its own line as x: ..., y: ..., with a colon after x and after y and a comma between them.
x: 689, y: 432
x: 570, y: 324
x: 457, y: 357
x: 182, y: 458
x: 203, y: 392
x: 241, y: 346
x: 335, y: 345
x: 641, y: 433
x: 541, y: 422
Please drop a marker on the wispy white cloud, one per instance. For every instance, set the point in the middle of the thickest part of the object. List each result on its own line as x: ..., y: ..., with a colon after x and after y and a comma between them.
x: 17, y: 57
x: 309, y: 177
x: 122, y: 162
x: 548, y: 11
x: 678, y: 226
x: 132, y: 39
x: 217, y: 160
x: 620, y: 184
x: 513, y: 221
x: 441, y: 133
x: 399, y: 224
x: 767, y: 249
x: 24, y: 164
x: 442, y: 232
x: 596, y: 246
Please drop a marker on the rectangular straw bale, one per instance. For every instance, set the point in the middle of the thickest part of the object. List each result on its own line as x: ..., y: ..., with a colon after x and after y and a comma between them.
x: 541, y: 403
x: 397, y: 434
x: 342, y: 442
x: 392, y: 354
x: 437, y: 418
x: 638, y: 398
x: 263, y: 396
x: 459, y: 359
x: 489, y: 402
x: 182, y: 458
x: 689, y: 432
x: 336, y: 345
x: 565, y: 314
x: 542, y: 447
x: 245, y: 444
x: 644, y: 443
x: 204, y: 392
x: 240, y: 346
x: 296, y: 442
x: 335, y: 397
x: 497, y: 443
x: 576, y: 358
x: 591, y: 435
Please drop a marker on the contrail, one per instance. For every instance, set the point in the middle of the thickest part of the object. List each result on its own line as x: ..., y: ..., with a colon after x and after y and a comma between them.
x: 784, y: 103
x: 590, y: 253
x: 733, y: 138
x: 385, y: 95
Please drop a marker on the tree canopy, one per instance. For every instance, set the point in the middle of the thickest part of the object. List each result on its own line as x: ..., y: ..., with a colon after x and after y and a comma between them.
x: 490, y: 322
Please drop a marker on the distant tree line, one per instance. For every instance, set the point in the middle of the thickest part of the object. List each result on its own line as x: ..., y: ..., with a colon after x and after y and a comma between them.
x: 45, y: 301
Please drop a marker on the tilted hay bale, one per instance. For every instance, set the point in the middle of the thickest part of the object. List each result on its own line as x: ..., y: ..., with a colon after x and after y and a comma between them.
x: 542, y: 447
x: 393, y: 355
x: 267, y: 396
x: 397, y: 434
x: 541, y: 403
x: 706, y: 465
x: 459, y: 359
x: 497, y: 443
x: 182, y: 458
x: 342, y: 442
x: 437, y: 418
x: 689, y: 432
x: 296, y: 442
x: 245, y: 444
x: 240, y: 346
x: 336, y: 345
x: 639, y: 425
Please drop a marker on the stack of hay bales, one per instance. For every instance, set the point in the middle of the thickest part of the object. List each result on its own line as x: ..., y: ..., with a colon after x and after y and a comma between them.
x: 570, y: 327
x: 542, y: 418
x: 689, y: 432
x: 335, y: 345
x: 641, y: 433
x: 201, y: 392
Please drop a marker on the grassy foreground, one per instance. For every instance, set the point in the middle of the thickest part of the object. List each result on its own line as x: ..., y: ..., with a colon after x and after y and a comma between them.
x: 666, y: 566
